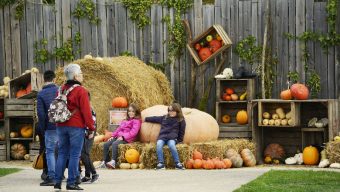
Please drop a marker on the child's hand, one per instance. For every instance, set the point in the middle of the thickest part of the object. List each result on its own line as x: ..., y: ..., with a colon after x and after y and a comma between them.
x: 120, y: 138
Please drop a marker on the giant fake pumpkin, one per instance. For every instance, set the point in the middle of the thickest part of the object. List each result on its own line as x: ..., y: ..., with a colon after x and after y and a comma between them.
x: 286, y: 94
x: 310, y: 155
x: 18, y: 151
x: 132, y: 156
x: 299, y: 91
x: 119, y: 102
x: 204, y: 53
x: 242, y: 117
x: 26, y: 131
x: 200, y: 126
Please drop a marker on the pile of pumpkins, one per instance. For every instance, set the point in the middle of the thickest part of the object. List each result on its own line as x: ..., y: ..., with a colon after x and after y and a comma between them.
x: 132, y: 157
x: 241, y: 117
x: 230, y: 95
x: 208, y: 45
x: 26, y: 131
x: 4, y: 92
x: 279, y: 118
x: 234, y: 159
x: 298, y: 91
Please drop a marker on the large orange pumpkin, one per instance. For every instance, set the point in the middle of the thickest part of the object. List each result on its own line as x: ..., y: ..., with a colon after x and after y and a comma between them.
x: 310, y: 155
x: 119, y: 102
x: 299, y: 91
x: 21, y: 93
x: 29, y: 88
x: 204, y: 53
x: 26, y: 131
x: 286, y: 94
x: 242, y: 117
x: 132, y: 156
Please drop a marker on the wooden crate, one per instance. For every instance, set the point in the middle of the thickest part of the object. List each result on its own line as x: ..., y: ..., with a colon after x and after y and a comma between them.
x: 19, y: 108
x: 2, y: 121
x: 239, y: 85
x: 231, y: 109
x: 215, y: 29
x: 36, y: 80
x: 270, y: 105
x: 3, y: 152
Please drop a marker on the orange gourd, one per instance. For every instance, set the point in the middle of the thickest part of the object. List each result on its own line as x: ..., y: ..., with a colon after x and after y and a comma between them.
x: 310, y: 155
x: 197, y: 155
x: 132, y: 156
x: 119, y: 102
x: 21, y: 93
x: 215, y: 45
x: 26, y: 131
x: 227, y: 163
x: 242, y: 117
x: 299, y: 91
x: 204, y: 53
x: 226, y: 119
x: 218, y: 163
x: 189, y: 164
x: 229, y: 91
x: 286, y: 94
x: 209, y: 164
x: 197, y: 164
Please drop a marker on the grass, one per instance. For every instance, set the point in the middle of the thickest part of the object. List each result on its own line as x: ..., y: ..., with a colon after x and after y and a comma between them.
x: 6, y: 171
x: 294, y: 181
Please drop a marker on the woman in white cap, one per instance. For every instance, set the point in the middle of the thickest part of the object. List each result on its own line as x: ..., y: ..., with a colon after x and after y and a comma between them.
x: 71, y: 132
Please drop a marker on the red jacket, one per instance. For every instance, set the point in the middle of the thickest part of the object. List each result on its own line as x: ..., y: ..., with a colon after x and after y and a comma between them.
x: 78, y: 99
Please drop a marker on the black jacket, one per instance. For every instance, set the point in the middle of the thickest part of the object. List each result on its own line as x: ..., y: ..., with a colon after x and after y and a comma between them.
x: 171, y: 128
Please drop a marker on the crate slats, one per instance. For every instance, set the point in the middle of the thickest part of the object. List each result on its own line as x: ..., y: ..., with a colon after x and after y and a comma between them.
x: 36, y: 80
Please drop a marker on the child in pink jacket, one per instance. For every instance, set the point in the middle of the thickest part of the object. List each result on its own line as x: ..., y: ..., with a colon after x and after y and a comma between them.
x: 125, y: 133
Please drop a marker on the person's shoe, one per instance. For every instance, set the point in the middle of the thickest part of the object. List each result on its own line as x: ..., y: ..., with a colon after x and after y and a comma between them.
x: 44, y: 175
x: 160, y: 166
x: 94, y: 177
x: 85, y: 179
x: 111, y: 164
x: 73, y: 187
x: 179, y: 166
x: 101, y: 165
x: 48, y: 182
x: 57, y: 186
x: 78, y: 180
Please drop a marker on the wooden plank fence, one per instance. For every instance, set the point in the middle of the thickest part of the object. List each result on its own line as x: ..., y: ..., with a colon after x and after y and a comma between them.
x: 116, y: 33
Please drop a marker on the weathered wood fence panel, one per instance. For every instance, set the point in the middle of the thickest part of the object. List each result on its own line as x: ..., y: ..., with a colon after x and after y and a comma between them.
x: 116, y: 33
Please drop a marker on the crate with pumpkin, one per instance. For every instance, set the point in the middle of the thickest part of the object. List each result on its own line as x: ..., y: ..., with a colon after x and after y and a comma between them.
x: 209, y: 44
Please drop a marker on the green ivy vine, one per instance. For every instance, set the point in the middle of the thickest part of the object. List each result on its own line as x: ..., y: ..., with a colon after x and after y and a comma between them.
x: 248, y: 51
x: 86, y: 9
x: 137, y: 11
x: 41, y: 54
x: 66, y: 51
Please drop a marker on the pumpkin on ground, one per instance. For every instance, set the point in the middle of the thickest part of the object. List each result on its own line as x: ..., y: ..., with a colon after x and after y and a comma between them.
x: 286, y: 94
x: 227, y: 163
x: 197, y: 155
x: 310, y: 155
x: 274, y: 151
x: 18, y: 151
x: 132, y: 156
x: 119, y: 102
x: 235, y: 158
x: 26, y: 131
x: 299, y: 91
x: 267, y: 160
x: 242, y: 117
x: 21, y: 93
x: 200, y: 126
x: 197, y: 164
x: 189, y: 164
x: 248, y: 158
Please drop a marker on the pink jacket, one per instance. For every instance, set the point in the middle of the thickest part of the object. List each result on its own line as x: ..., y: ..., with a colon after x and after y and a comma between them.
x: 128, y: 129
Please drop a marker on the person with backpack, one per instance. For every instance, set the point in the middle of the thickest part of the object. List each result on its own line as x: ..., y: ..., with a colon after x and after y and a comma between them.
x: 72, y: 112
x: 46, y: 130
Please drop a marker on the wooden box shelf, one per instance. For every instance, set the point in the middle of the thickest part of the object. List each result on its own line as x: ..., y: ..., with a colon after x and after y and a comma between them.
x: 21, y: 82
x: 238, y: 85
x: 19, y: 108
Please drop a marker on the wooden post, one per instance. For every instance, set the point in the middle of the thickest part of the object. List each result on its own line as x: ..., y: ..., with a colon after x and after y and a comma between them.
x: 264, y: 50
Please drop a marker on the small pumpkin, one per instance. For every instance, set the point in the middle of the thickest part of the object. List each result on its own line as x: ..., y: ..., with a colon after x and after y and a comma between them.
x: 27, y: 156
x: 204, y: 53
x: 215, y: 45
x: 227, y: 98
x: 197, y: 155
x: 134, y: 166
x: 226, y: 119
x: 248, y: 158
x: 229, y: 91
x: 299, y: 91
x: 227, y: 163
x: 197, y: 164
x: 125, y: 166
x: 189, y: 164
x: 13, y: 134
x: 26, y: 131
x: 132, y: 156
x: 242, y: 117
x: 275, y: 151
x: 267, y: 160
x: 119, y: 102
x: 310, y: 155
x: 286, y: 94
x: 236, y: 161
x: 209, y: 164
x: 21, y: 93
x: 18, y: 151
x: 218, y: 163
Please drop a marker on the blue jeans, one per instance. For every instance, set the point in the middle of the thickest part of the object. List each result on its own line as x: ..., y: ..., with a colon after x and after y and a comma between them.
x: 50, y: 144
x: 172, y: 146
x: 70, y: 143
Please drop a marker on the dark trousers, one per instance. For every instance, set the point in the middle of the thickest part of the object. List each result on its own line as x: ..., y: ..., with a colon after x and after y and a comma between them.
x: 85, y: 157
x: 114, y: 143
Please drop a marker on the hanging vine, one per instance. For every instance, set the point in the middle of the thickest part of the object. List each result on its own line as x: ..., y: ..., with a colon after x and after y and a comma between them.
x: 86, y: 9
x: 66, y: 51
x: 137, y: 11
x: 41, y: 54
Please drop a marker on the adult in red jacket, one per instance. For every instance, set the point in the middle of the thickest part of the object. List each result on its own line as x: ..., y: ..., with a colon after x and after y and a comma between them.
x: 71, y: 133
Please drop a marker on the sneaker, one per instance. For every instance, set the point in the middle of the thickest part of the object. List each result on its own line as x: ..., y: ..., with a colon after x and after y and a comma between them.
x: 85, y: 179
x: 94, y: 177
x: 179, y: 166
x: 78, y: 180
x: 111, y: 164
x: 101, y: 165
x: 48, y: 182
x: 160, y: 166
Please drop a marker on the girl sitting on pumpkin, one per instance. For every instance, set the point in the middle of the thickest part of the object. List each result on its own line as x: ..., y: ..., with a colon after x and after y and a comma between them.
x: 125, y: 133
x: 172, y: 132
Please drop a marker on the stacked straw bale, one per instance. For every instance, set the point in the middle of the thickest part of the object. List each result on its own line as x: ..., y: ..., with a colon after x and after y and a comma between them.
x: 106, y: 78
x: 333, y: 151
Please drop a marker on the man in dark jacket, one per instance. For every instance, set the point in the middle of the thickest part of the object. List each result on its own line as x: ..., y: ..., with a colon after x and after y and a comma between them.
x: 45, y: 128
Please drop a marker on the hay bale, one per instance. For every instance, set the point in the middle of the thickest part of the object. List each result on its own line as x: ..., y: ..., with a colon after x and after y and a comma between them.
x: 107, y: 78
x: 333, y: 151
x: 200, y: 126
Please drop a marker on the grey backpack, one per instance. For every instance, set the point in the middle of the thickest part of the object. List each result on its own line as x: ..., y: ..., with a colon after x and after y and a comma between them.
x: 58, y: 111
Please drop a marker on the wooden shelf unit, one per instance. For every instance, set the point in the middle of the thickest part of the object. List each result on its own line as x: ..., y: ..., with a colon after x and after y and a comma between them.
x: 3, y: 132
x: 233, y: 129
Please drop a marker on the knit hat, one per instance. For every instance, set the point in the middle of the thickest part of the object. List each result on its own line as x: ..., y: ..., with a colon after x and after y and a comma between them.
x: 71, y: 70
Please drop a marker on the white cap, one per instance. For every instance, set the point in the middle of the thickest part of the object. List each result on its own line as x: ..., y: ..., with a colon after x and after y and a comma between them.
x: 71, y: 70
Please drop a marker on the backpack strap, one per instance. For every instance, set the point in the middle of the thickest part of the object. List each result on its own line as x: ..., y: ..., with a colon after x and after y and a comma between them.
x: 71, y: 88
